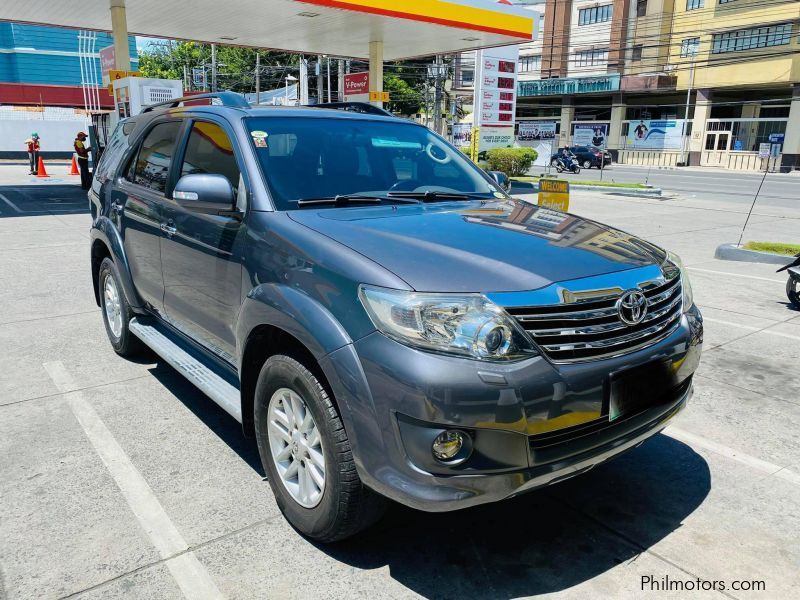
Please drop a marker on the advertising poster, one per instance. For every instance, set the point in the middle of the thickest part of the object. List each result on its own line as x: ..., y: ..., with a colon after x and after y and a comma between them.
x: 655, y: 135
x: 494, y: 137
x: 590, y: 134
x: 539, y: 135
x: 356, y: 87
x: 462, y: 134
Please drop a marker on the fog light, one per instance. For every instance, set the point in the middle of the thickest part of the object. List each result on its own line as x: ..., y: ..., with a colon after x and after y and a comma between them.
x: 447, y: 445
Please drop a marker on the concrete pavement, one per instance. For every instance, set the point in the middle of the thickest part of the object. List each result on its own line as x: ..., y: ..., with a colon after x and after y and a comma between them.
x: 119, y: 480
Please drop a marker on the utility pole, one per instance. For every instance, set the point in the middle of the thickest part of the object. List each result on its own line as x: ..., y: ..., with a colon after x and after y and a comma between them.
x: 303, y: 83
x: 213, y: 67
x: 684, y: 142
x: 437, y: 97
x: 258, y: 78
x: 320, y: 83
x: 328, y: 61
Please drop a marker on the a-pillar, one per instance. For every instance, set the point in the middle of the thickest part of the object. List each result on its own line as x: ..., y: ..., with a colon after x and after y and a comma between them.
x: 619, y: 110
x: 376, y: 69
x: 702, y: 112
x: 791, y: 142
x: 567, y: 117
x: 119, y: 29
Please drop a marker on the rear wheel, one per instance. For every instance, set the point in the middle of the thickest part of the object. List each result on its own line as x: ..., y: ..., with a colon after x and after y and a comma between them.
x: 116, y: 311
x: 793, y: 291
x: 587, y: 164
x: 307, y: 456
x: 554, y: 163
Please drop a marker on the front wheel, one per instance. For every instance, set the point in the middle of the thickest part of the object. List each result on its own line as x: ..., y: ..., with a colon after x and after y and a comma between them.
x: 554, y: 163
x: 576, y: 169
x: 587, y: 164
x: 793, y: 291
x: 306, y: 454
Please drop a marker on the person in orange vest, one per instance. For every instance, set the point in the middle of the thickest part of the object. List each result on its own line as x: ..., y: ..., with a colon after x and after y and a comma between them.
x: 33, y: 152
x: 82, y: 150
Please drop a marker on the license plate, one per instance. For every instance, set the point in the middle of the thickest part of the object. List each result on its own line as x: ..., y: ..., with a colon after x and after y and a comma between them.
x: 634, y: 390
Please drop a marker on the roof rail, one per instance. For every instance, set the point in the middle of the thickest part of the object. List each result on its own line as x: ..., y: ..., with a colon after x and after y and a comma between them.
x: 359, y: 107
x: 228, y: 99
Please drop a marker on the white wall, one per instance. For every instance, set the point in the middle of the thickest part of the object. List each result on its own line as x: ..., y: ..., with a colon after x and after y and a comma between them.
x: 56, y: 136
x: 587, y: 37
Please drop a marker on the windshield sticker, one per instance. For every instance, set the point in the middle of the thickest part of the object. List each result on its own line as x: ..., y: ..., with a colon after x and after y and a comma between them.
x: 260, y: 142
x: 259, y: 134
x: 499, y: 195
x: 391, y: 143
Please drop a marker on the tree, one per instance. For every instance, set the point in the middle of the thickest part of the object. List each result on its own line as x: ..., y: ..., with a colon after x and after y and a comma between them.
x: 403, y: 98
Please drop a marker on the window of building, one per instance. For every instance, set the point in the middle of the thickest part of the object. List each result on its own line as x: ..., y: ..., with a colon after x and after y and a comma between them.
x: 748, y: 39
x: 690, y: 47
x: 595, y: 14
x: 641, y: 8
x: 530, y: 64
x: 725, y: 1
x: 151, y: 167
x: 591, y: 58
x: 209, y: 150
x: 694, y: 4
x: 637, y: 52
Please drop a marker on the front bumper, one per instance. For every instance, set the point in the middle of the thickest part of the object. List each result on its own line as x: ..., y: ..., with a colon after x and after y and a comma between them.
x: 534, y: 423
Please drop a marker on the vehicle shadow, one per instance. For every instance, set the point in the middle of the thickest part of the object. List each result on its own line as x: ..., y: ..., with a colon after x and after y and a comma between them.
x: 543, y: 542
x: 42, y: 199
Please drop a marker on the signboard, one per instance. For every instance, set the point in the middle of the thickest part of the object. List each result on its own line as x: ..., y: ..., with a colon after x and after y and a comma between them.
x: 462, y: 134
x: 764, y: 150
x: 777, y: 138
x: 655, y: 135
x: 199, y: 77
x: 356, y: 87
x: 495, y: 97
x: 375, y: 96
x: 494, y: 137
x: 108, y: 60
x: 114, y: 75
x: 539, y: 135
x: 590, y: 134
x: 554, y: 193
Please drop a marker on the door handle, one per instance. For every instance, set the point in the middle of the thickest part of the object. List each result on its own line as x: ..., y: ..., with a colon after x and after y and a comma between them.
x: 168, y: 229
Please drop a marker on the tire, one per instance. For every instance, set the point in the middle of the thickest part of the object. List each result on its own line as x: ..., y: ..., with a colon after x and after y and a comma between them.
x: 342, y: 506
x: 587, y: 164
x: 119, y: 334
x: 554, y: 163
x: 576, y: 170
x: 793, y: 291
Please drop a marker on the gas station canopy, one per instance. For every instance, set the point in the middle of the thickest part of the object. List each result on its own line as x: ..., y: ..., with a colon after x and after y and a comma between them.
x: 335, y: 27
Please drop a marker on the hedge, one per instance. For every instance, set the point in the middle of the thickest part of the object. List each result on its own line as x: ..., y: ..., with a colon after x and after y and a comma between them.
x: 514, y: 162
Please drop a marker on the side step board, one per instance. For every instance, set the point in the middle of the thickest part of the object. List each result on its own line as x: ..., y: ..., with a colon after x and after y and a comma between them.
x: 207, y: 381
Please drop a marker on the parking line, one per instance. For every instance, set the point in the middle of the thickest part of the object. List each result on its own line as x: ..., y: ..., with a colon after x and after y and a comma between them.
x: 751, y: 461
x: 737, y: 275
x: 188, y: 572
x: 11, y: 204
x: 754, y: 329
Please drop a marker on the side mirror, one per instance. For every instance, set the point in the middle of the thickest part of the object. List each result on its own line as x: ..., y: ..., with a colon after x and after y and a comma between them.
x: 501, y: 179
x: 204, y: 193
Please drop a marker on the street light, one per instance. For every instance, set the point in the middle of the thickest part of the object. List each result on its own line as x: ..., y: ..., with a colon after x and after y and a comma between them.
x: 691, y: 51
x: 286, y: 92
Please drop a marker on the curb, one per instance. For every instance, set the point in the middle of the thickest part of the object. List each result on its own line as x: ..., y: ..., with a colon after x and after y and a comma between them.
x: 734, y: 252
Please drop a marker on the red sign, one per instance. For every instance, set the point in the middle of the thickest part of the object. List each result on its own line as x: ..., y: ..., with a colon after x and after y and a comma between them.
x: 108, y: 59
x: 356, y: 84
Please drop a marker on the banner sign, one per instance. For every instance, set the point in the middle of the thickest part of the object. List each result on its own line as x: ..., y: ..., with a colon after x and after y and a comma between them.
x: 534, y: 131
x: 462, y: 134
x: 554, y: 193
x: 655, y: 135
x: 108, y: 61
x: 590, y: 134
x: 356, y: 87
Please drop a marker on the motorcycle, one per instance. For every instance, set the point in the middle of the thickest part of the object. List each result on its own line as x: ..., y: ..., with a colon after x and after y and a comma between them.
x: 793, y: 285
x: 567, y: 164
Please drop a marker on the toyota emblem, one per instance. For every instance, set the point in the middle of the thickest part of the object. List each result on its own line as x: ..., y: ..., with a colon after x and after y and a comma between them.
x: 632, y: 307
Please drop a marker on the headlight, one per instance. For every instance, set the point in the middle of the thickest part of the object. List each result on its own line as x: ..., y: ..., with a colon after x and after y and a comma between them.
x: 688, y: 296
x: 466, y: 324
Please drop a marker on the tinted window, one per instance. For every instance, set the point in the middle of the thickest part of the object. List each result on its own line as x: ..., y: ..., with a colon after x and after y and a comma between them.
x: 209, y: 150
x: 152, y: 165
x: 308, y: 158
x: 113, y: 152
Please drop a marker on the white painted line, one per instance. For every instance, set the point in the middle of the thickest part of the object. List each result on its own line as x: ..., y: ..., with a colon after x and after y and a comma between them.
x: 190, y: 575
x: 740, y: 457
x: 737, y: 275
x: 751, y: 328
x: 11, y: 204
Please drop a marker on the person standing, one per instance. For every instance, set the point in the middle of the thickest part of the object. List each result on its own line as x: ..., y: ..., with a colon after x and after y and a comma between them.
x: 33, y: 152
x: 82, y: 150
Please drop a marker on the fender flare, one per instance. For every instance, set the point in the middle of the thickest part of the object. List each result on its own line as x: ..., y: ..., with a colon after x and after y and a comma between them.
x: 104, y: 230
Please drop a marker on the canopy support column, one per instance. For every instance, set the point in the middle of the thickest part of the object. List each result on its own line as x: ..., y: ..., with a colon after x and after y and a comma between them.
x: 376, y: 69
x: 119, y: 29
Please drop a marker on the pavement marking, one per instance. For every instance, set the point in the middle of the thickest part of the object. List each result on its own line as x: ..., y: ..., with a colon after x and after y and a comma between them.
x: 751, y: 461
x: 736, y: 274
x: 189, y: 573
x: 751, y: 328
x: 11, y: 204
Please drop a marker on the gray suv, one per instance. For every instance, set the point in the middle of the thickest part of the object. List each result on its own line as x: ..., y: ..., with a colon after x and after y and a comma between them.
x: 377, y: 312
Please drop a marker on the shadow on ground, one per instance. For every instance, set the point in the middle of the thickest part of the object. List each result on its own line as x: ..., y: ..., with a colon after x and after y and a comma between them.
x: 546, y: 541
x: 42, y: 199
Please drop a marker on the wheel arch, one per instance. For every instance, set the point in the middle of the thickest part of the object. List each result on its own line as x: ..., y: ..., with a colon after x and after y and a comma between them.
x: 106, y: 242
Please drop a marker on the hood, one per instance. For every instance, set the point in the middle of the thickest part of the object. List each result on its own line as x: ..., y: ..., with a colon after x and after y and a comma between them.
x: 481, y: 246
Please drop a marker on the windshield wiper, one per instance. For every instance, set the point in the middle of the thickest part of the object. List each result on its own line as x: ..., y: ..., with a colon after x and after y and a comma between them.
x: 431, y: 196
x: 347, y: 199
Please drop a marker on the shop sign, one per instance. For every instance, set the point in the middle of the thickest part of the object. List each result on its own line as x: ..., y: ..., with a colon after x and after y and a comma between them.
x: 554, y: 193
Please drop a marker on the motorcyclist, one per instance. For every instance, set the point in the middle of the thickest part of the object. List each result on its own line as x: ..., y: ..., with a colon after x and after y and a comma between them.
x: 565, y: 157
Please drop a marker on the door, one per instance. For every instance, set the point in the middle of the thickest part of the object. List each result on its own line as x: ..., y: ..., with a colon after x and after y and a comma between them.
x: 137, y: 198
x: 201, y: 253
x: 717, y: 148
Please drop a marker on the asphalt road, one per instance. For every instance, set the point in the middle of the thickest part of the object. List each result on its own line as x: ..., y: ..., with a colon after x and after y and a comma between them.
x: 118, y: 479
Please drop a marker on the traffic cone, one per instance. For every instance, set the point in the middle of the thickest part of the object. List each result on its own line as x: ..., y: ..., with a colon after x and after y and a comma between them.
x: 41, y: 172
x: 73, y: 170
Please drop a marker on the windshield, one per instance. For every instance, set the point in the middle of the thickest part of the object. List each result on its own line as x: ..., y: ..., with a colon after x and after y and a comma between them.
x: 309, y: 158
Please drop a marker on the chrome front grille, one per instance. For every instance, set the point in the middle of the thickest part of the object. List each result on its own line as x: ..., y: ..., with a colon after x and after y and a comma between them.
x: 592, y: 328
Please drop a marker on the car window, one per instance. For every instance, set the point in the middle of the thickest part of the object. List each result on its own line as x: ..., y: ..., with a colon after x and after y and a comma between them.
x: 113, y: 152
x: 209, y: 150
x: 151, y: 167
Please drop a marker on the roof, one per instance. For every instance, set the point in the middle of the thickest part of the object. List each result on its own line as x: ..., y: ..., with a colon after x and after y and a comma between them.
x: 335, y: 27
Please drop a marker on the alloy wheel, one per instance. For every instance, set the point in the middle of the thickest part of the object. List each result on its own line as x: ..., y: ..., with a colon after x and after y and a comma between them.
x: 112, y: 305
